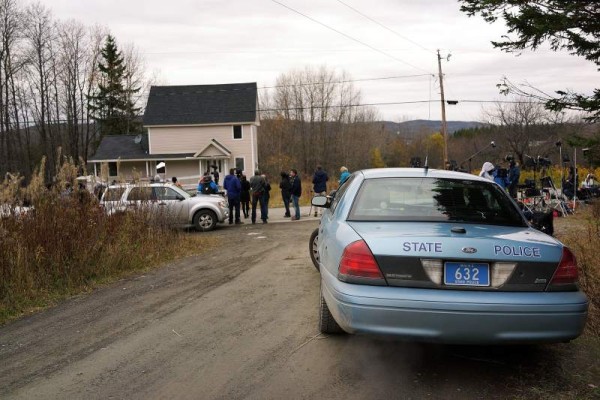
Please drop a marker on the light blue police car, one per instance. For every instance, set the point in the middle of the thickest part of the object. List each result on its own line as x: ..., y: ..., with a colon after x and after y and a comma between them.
x: 432, y: 255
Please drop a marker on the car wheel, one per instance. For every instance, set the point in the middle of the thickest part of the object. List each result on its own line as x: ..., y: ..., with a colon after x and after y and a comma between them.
x: 326, y: 322
x: 312, y: 248
x: 205, y: 220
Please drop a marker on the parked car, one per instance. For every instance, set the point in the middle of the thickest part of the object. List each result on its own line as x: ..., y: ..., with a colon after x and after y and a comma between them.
x: 442, y: 256
x: 200, y: 211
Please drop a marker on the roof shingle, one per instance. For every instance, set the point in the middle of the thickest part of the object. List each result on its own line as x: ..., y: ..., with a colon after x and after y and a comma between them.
x: 201, y: 104
x: 124, y: 147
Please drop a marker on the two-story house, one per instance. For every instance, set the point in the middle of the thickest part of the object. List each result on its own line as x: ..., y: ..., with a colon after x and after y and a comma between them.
x: 190, y: 130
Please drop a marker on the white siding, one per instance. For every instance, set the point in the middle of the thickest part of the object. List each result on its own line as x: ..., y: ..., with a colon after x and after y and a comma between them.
x: 183, y: 169
x: 190, y: 139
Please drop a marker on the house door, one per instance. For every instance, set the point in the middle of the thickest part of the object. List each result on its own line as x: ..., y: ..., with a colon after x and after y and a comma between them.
x: 221, y: 164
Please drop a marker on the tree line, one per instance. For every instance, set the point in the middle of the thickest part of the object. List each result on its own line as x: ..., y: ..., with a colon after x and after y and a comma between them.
x: 62, y: 85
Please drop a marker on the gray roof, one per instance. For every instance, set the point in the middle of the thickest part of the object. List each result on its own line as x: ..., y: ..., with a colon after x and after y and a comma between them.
x: 201, y: 104
x: 113, y: 147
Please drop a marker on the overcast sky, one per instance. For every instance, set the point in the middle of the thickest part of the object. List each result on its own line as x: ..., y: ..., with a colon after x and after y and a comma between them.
x: 216, y: 41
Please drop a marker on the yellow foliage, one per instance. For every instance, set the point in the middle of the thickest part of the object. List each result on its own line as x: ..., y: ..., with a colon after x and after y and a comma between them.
x: 376, y: 158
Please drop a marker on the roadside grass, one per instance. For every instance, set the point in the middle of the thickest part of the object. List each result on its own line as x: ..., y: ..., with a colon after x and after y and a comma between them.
x: 564, y: 371
x: 571, y: 371
x: 581, y: 233
x: 65, y: 244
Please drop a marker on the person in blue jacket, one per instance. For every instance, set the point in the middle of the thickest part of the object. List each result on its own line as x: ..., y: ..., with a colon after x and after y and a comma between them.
x: 344, y: 176
x: 207, y: 186
x: 233, y: 186
x: 501, y: 177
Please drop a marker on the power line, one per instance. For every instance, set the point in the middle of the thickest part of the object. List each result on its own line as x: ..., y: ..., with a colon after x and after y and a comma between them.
x: 272, y: 51
x: 259, y: 110
x: 386, y: 27
x: 345, y: 81
x: 350, y: 37
x: 221, y: 90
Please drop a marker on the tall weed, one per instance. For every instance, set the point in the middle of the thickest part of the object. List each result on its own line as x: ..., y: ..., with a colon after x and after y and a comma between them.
x: 65, y: 242
x: 582, y: 235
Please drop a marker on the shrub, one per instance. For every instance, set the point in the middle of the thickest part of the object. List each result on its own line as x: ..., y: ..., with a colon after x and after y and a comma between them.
x: 582, y: 235
x: 66, y: 243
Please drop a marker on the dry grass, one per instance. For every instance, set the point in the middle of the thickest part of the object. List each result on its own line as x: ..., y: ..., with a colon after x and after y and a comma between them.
x: 66, y: 244
x: 581, y: 233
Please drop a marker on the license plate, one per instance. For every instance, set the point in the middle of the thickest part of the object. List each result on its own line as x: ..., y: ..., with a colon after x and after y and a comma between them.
x: 466, y: 274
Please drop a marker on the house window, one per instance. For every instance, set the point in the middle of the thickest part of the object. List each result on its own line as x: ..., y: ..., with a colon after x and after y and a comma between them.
x: 112, y: 169
x: 239, y: 163
x: 237, y: 131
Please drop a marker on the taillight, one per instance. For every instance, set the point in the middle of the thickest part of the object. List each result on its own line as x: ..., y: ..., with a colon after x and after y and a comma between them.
x: 358, y: 261
x: 567, y: 271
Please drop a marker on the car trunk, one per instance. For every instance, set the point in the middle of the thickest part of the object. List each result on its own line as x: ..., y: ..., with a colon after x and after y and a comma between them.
x: 436, y: 255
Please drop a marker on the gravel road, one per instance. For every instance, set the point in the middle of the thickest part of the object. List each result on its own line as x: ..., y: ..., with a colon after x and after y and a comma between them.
x: 240, y: 322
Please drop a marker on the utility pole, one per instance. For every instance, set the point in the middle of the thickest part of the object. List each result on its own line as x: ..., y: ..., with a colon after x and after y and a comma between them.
x: 443, y: 100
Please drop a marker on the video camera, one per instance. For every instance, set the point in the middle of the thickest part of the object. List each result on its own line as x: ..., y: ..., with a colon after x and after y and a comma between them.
x: 509, y: 158
x: 543, y: 161
x: 533, y: 162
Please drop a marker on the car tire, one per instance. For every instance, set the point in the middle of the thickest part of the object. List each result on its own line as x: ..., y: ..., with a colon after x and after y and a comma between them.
x: 312, y: 248
x: 204, y: 221
x: 326, y: 322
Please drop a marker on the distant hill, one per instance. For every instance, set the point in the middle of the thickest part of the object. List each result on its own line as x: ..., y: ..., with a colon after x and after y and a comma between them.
x: 427, y: 126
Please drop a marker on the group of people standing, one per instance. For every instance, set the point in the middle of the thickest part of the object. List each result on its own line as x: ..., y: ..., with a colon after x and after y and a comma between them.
x: 245, y: 196
x: 507, y: 179
x: 291, y: 190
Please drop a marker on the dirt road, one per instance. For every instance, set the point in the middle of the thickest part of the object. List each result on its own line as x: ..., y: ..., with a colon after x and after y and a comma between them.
x: 241, y: 322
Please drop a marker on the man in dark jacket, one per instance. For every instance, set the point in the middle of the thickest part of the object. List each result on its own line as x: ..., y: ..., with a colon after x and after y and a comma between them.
x: 286, y: 195
x: 234, y: 187
x: 319, y: 181
x: 257, y: 191
x: 296, y: 192
x: 514, y: 173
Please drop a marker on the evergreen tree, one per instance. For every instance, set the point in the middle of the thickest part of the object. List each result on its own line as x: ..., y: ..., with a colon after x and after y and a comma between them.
x: 573, y: 26
x: 111, y: 105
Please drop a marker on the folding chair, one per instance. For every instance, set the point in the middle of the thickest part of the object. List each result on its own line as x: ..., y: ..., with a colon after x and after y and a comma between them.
x: 560, y: 204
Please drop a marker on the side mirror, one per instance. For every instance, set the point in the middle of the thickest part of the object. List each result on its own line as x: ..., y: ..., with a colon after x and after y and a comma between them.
x: 180, y: 197
x: 320, y: 201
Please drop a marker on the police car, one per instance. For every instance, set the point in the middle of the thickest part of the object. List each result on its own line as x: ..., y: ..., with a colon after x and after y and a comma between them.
x: 442, y: 256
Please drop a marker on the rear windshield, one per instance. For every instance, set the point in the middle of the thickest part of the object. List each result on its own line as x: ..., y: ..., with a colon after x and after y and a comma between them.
x: 434, y: 199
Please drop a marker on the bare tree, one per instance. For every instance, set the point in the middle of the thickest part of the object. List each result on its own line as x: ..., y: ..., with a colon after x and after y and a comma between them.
x: 520, y: 122
x: 39, y: 35
x: 314, y: 118
x: 73, y: 51
x: 10, y: 27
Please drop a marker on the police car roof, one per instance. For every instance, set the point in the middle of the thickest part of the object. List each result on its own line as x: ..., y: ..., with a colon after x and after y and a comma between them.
x: 418, y: 173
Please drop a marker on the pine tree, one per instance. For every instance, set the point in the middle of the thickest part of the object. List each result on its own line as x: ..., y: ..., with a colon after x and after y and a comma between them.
x: 111, y: 105
x: 573, y: 26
